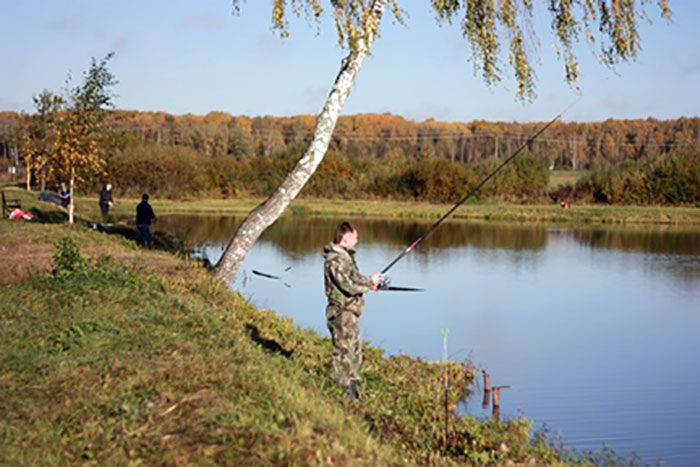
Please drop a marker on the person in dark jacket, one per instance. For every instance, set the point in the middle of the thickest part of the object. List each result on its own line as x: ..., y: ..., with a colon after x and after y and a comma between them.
x: 144, y: 217
x: 61, y: 199
x: 344, y: 286
x: 106, y: 200
x: 64, y: 194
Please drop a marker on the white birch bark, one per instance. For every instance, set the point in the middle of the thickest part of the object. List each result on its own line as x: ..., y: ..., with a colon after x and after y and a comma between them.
x: 71, y: 203
x: 268, y: 212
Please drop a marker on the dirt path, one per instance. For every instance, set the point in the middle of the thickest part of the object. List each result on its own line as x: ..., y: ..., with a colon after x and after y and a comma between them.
x: 28, y: 248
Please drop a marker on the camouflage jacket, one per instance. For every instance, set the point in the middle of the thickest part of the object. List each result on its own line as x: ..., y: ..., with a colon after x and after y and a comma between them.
x: 343, y: 281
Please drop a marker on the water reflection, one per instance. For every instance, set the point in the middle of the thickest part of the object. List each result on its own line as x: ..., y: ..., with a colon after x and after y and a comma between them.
x: 672, y: 249
x: 298, y: 235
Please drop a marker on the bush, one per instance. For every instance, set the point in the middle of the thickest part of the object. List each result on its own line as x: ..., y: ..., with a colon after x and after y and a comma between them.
x: 335, y: 176
x: 179, y: 172
x: 671, y: 179
x: 68, y: 259
x: 223, y: 174
x: 437, y: 180
x: 166, y: 171
x: 525, y: 178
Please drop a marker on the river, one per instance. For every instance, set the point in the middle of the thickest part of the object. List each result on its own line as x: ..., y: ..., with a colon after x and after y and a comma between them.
x: 596, y: 330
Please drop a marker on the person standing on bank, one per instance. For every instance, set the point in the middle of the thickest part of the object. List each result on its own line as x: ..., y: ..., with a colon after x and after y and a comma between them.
x: 344, y: 286
x: 144, y: 217
x: 106, y: 200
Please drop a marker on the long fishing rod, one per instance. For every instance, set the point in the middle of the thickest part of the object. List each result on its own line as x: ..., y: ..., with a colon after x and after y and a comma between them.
x: 476, y: 188
x: 383, y: 286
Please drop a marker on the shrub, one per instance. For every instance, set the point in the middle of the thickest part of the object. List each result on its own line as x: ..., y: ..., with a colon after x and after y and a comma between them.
x: 671, y: 179
x: 525, y: 178
x: 67, y: 258
x: 166, y: 171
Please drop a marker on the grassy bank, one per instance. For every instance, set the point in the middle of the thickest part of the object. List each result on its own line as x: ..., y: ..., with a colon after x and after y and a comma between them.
x: 126, y: 355
x: 590, y: 214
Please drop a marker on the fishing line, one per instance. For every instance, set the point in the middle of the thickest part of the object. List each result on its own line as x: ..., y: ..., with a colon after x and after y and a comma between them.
x: 478, y: 186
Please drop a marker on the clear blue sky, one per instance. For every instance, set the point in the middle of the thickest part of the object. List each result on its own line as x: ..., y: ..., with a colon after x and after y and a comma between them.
x: 195, y: 56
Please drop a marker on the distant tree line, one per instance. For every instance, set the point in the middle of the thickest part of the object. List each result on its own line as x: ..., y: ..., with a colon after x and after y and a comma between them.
x: 633, y: 161
x: 565, y: 145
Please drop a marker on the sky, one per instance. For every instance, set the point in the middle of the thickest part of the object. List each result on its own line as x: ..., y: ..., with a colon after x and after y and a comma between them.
x: 194, y: 57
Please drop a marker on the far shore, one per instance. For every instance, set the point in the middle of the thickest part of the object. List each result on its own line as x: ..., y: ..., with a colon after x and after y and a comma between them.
x: 416, y: 210
x: 87, y: 208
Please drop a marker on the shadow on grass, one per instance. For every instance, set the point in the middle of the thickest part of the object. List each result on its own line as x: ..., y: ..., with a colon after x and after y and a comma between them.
x: 268, y: 344
x: 159, y: 240
x: 49, y: 217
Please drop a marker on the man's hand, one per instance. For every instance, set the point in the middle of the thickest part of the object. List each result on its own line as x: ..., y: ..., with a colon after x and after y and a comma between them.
x: 376, y: 280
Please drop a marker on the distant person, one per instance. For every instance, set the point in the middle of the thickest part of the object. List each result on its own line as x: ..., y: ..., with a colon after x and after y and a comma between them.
x: 344, y: 288
x: 106, y: 200
x: 64, y: 194
x: 61, y: 199
x: 144, y: 217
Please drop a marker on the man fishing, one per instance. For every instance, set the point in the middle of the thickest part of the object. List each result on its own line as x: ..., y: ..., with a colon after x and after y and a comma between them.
x: 344, y: 288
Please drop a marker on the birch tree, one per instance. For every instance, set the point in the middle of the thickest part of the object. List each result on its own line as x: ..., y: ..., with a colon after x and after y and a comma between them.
x: 500, y: 35
x: 80, y: 132
x: 39, y: 137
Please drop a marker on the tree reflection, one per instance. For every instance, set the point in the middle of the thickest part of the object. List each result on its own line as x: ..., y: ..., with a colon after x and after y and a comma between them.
x: 304, y: 235
x: 674, y: 251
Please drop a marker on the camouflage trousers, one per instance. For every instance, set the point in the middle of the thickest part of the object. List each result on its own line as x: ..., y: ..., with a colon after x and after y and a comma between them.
x: 347, y: 351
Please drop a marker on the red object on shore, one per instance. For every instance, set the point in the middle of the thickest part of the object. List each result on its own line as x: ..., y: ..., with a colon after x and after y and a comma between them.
x: 19, y: 214
x: 565, y: 204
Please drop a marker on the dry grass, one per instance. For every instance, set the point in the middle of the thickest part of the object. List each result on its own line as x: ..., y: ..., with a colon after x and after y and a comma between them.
x: 565, y: 177
x: 27, y: 248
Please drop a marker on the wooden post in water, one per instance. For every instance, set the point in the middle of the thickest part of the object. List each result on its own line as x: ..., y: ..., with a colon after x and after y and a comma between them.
x: 496, y: 401
x: 487, y: 389
x: 487, y: 381
x: 496, y: 397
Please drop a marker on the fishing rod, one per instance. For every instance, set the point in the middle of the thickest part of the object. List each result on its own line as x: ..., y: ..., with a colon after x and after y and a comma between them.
x: 383, y: 286
x: 272, y: 276
x: 476, y: 188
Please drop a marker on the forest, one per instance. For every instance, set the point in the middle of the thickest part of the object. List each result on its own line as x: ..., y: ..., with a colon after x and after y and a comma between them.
x: 380, y: 156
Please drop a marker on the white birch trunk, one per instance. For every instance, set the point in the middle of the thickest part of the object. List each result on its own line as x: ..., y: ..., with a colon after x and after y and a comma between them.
x: 268, y: 212
x: 71, y: 203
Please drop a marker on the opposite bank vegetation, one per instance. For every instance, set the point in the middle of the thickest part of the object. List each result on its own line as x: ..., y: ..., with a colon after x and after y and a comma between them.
x: 578, y: 213
x: 149, y: 360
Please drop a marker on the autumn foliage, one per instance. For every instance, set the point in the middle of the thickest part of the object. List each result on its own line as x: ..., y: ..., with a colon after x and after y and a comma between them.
x: 386, y: 156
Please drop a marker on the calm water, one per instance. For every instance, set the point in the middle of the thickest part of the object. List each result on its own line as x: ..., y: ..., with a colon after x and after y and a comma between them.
x: 595, y: 330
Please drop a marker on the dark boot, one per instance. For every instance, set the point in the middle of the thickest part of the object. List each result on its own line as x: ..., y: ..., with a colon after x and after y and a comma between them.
x: 351, y: 389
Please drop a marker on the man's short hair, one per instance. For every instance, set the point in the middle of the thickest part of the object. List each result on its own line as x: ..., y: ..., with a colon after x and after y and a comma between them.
x: 144, y: 197
x: 342, y: 229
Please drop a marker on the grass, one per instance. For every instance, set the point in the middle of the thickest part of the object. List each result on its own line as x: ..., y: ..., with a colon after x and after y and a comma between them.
x: 565, y: 177
x: 111, y: 359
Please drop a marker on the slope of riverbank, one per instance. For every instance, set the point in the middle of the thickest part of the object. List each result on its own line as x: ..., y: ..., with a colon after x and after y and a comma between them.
x: 114, y: 354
